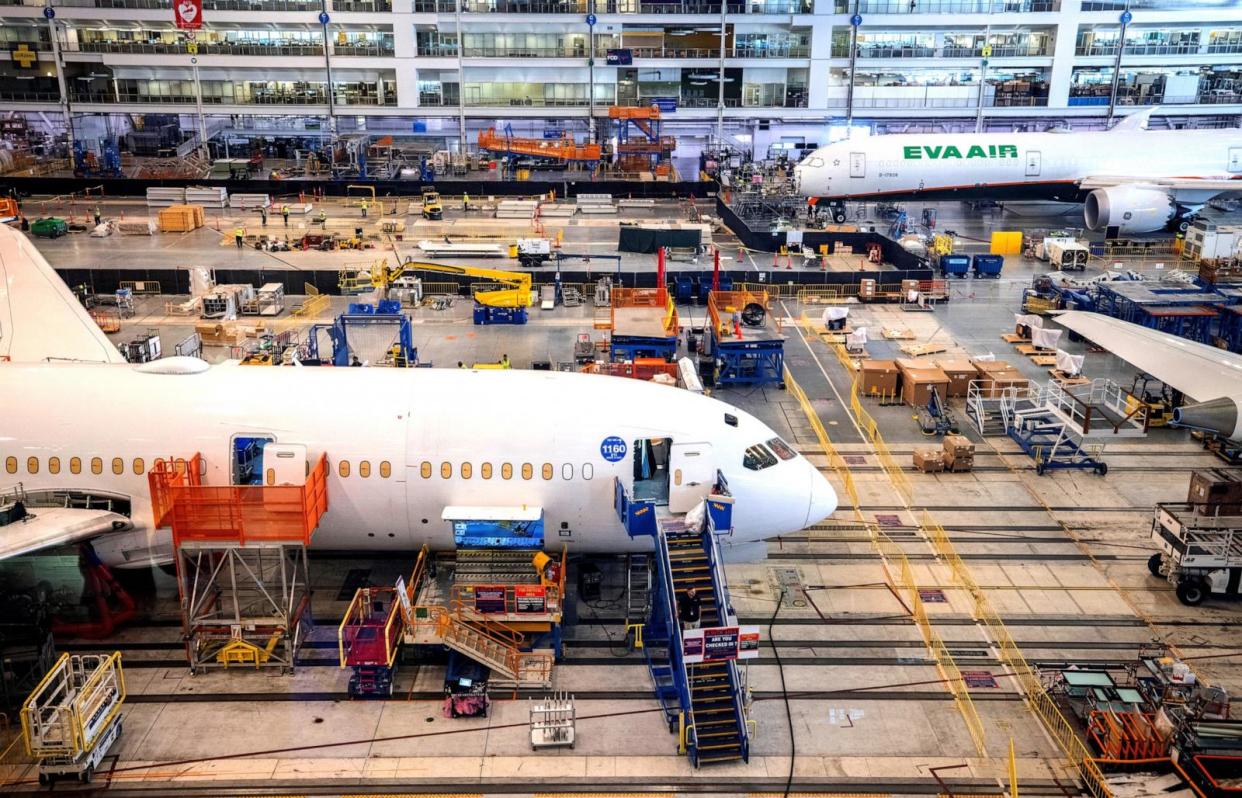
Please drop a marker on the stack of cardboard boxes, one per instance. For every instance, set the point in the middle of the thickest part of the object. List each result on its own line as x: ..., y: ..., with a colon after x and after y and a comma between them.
x: 929, y: 461
x: 878, y: 378
x: 959, y: 453
x: 960, y: 373
x: 917, y: 380
x: 996, y: 375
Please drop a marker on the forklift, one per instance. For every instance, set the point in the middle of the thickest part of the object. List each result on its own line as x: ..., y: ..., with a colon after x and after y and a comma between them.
x: 433, y: 209
x: 1158, y: 398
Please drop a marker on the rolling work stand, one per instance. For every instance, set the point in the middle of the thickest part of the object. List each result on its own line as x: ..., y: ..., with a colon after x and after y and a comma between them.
x: 1200, y: 554
x: 74, y: 716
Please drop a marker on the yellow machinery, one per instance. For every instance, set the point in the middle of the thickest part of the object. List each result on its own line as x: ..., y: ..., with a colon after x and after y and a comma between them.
x: 941, y: 244
x: 433, y: 208
x: 515, y: 293
x: 73, y: 716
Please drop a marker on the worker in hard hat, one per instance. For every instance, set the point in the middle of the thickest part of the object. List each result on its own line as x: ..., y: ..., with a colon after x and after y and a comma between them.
x: 365, y: 205
x: 98, y: 216
x: 239, y: 236
x: 465, y: 202
x: 504, y: 362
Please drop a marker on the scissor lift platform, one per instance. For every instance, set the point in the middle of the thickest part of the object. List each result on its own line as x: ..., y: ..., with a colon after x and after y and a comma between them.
x: 1199, y: 553
x: 73, y: 716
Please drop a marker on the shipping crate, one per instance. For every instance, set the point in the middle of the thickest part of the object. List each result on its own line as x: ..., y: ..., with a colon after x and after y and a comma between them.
x: 917, y: 381
x: 958, y: 446
x: 879, y: 377
x: 960, y: 373
x: 1216, y: 491
x: 180, y: 218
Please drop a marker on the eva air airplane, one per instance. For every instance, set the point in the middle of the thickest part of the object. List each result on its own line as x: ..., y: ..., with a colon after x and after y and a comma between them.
x: 1131, y: 180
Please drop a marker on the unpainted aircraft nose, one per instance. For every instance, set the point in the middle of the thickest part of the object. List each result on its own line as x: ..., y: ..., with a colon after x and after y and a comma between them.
x: 823, y: 499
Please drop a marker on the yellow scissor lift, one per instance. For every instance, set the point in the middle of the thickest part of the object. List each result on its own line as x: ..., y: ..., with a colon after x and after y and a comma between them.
x: 500, y: 297
x: 73, y: 716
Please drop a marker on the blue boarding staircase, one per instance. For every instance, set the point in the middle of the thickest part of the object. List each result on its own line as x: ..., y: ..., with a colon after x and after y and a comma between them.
x: 704, y: 703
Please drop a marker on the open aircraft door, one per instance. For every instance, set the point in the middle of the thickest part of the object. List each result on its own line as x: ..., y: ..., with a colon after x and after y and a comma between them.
x: 284, y: 464
x: 858, y: 164
x: 692, y: 472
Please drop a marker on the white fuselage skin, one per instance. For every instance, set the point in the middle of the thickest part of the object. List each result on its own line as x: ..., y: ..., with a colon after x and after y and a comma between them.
x: 1017, y: 165
x: 406, y: 418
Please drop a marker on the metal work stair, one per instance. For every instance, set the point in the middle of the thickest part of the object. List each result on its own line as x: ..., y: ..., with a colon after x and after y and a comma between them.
x: 637, y: 588
x: 689, y: 568
x: 486, y: 644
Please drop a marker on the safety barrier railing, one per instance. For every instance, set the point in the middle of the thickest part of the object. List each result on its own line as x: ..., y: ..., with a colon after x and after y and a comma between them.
x: 356, y: 648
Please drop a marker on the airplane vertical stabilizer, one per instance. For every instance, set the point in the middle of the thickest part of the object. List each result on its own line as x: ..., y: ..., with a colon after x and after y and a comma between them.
x: 40, y: 319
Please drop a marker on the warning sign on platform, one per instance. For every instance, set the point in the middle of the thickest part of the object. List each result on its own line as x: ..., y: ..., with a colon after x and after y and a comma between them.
x: 530, y: 598
x: 720, y: 644
x: 489, y: 599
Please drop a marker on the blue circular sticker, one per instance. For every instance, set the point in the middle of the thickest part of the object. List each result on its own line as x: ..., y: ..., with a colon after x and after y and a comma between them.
x: 49, y: 12
x: 590, y: 19
x: 1126, y: 16
x: 856, y: 20
x: 324, y: 19
x: 613, y: 449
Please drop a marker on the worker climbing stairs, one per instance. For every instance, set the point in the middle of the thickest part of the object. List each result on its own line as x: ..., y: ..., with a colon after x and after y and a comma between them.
x: 695, y: 671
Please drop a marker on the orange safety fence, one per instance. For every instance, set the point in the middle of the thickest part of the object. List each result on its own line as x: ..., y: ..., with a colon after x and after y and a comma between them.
x: 238, y: 514
x: 646, y: 298
x: 721, y: 305
x: 640, y: 369
x: 1127, y: 736
x: 563, y: 148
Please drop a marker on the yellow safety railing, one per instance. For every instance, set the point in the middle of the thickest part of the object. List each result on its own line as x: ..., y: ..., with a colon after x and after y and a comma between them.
x: 904, y: 580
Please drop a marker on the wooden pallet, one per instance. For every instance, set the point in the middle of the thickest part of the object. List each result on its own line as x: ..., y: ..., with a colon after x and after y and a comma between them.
x: 1031, y: 351
x: 916, y: 350
x: 895, y: 334
x: 1014, y: 338
x: 1044, y: 360
x: 1064, y: 379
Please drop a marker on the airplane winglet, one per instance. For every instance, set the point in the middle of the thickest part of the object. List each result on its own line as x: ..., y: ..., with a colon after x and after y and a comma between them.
x: 1137, y: 120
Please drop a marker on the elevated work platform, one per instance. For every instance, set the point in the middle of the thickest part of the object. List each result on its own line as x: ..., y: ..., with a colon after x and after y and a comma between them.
x: 644, y: 324
x: 561, y: 149
x: 74, y: 715
x: 745, y: 339
x: 241, y: 556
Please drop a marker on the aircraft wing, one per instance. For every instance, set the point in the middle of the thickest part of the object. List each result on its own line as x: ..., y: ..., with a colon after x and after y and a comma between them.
x: 1172, y: 183
x: 1199, y: 371
x: 56, y: 526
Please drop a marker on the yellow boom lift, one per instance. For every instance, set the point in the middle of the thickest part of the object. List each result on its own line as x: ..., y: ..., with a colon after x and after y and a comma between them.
x: 502, y: 299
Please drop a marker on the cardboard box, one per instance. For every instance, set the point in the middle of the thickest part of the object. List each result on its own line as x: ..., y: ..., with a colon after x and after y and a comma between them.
x: 1216, y: 491
x: 917, y: 380
x: 957, y: 464
x: 879, y: 377
x: 995, y: 375
x: 958, y: 446
x: 929, y: 461
x: 960, y: 373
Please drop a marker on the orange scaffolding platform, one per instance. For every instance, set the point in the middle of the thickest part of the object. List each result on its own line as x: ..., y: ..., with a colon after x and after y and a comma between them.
x: 242, y: 568
x: 562, y: 149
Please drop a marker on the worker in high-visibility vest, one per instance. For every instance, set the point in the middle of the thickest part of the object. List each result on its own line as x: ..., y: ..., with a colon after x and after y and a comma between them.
x: 364, y: 209
x: 504, y: 362
x: 284, y: 211
x: 98, y: 216
x: 239, y: 235
x: 465, y: 203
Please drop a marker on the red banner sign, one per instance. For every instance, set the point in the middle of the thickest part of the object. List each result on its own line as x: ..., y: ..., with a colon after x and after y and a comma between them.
x: 188, y: 14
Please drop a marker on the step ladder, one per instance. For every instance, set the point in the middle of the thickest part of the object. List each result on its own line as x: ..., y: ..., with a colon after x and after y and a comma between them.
x: 637, y: 588
x: 496, y: 647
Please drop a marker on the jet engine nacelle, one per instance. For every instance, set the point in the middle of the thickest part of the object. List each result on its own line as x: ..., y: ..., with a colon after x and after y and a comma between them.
x: 1131, y: 209
x: 1216, y: 415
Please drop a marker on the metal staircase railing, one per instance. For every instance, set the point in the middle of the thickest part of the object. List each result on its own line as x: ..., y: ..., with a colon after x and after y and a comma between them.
x: 666, y: 627
x: 476, y: 639
x: 728, y: 617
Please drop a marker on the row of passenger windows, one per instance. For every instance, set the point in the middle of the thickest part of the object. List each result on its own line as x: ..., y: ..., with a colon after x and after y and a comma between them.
x: 464, y: 470
x: 54, y: 465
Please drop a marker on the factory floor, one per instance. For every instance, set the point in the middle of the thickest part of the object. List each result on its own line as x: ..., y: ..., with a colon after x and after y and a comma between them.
x: 1061, y: 559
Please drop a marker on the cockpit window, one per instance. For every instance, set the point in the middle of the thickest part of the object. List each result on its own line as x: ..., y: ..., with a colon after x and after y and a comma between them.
x: 782, y: 449
x: 730, y: 419
x: 758, y: 457
x: 815, y: 162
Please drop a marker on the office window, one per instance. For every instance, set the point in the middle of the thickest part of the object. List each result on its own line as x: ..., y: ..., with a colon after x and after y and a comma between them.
x: 446, y: 470
x: 364, y: 469
x: 342, y: 468
x: 10, y: 465
x: 466, y: 470
x: 547, y: 470
x: 32, y: 465
x: 53, y: 465
x: 118, y: 466
x: 567, y: 471
x: 139, y: 466
x: 486, y: 470
x: 75, y: 465
x: 506, y: 471
x: 96, y: 465
x: 527, y: 470
x: 424, y: 470
x: 385, y: 469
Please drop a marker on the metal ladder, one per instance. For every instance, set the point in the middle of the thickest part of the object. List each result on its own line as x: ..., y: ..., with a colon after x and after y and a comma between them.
x: 637, y: 588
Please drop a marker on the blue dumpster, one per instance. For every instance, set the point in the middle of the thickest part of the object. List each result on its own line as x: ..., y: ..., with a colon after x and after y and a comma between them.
x: 988, y: 265
x: 954, y: 265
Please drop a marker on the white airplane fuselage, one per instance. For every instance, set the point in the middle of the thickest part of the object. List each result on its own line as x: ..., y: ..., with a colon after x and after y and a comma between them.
x: 1032, y: 166
x: 444, y: 437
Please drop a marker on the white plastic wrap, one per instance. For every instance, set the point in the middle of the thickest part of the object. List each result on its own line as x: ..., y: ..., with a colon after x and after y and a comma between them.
x: 1070, y: 365
x: 1029, y: 320
x: 1045, y: 338
x: 857, y: 339
x: 835, y: 313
